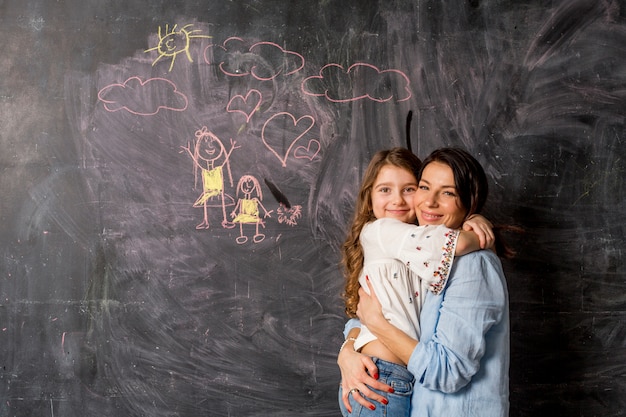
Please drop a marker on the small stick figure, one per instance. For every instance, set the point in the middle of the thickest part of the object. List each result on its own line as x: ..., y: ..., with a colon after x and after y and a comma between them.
x: 247, y: 209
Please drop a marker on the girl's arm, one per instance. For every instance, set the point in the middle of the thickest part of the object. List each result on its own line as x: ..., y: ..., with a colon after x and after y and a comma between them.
x: 483, y: 228
x: 467, y: 242
x: 477, y: 233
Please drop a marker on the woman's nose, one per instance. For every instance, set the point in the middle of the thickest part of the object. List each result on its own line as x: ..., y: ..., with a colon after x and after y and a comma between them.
x: 430, y: 199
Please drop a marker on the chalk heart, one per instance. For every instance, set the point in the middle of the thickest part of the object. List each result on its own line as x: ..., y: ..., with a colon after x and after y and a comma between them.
x: 307, y: 152
x: 281, y: 132
x: 246, y: 105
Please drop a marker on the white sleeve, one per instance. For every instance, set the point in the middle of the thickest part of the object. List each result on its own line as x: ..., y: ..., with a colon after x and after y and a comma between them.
x: 427, y: 250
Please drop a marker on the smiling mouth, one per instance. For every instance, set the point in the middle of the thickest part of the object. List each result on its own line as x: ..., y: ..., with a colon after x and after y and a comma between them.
x: 430, y: 216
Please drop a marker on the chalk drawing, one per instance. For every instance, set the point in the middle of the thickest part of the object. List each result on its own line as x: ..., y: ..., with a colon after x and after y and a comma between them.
x: 359, y: 81
x: 174, y: 42
x: 263, y: 60
x: 286, y: 129
x: 210, y: 157
x: 247, y: 209
x: 143, y: 98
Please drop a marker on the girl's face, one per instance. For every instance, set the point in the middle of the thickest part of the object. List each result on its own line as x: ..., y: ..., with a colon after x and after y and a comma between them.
x: 436, y: 199
x: 392, y: 194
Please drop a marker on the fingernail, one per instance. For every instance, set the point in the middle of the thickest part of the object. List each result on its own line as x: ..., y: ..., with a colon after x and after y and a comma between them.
x: 372, y: 407
x: 375, y: 376
x: 384, y: 401
x: 391, y: 390
x: 367, y: 278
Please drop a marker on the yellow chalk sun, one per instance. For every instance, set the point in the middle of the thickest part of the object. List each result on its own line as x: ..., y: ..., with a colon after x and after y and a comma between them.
x: 174, y: 42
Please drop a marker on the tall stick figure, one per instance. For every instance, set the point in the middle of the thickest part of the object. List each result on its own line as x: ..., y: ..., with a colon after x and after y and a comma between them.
x: 207, y: 152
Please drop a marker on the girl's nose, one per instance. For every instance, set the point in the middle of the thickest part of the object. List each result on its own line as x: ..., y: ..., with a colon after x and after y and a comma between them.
x: 397, y: 198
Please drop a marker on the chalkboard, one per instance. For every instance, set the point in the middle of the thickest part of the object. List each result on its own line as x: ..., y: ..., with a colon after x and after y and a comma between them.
x: 134, y: 280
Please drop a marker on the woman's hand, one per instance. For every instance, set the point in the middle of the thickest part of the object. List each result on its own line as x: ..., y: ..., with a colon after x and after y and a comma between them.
x: 358, y: 374
x: 370, y: 312
x: 369, y: 309
x: 483, y: 229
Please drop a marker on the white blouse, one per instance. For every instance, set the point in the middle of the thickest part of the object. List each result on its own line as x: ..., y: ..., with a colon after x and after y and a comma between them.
x: 403, y: 261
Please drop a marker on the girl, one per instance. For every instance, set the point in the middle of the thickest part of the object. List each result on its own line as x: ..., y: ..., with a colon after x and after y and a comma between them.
x: 401, y: 261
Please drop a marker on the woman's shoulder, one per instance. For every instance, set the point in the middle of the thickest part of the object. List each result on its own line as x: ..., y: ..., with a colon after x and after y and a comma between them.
x: 480, y: 260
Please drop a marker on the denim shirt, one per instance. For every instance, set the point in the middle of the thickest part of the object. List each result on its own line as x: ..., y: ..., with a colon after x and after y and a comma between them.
x: 461, y: 363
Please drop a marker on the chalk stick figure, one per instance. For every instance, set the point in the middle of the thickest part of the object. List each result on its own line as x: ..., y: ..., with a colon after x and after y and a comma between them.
x: 210, y: 157
x: 247, y: 209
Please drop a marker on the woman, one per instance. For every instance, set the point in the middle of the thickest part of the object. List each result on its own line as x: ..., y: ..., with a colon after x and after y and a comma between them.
x: 402, y: 261
x: 461, y: 361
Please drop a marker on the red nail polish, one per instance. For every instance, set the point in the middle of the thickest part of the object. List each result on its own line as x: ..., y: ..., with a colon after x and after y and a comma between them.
x: 384, y: 401
x: 375, y: 376
x: 391, y: 390
x: 372, y: 407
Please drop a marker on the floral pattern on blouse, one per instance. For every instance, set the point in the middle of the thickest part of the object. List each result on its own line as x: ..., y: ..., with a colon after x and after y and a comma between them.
x: 441, y: 272
x: 445, y: 264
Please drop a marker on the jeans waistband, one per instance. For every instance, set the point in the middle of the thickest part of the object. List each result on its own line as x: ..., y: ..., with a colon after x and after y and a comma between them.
x: 392, y: 369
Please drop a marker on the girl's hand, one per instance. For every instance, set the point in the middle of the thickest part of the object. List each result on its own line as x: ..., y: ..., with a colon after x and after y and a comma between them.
x: 483, y: 229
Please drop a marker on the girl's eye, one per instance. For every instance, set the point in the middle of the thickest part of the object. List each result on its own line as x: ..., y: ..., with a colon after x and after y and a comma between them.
x: 449, y: 193
x: 410, y: 189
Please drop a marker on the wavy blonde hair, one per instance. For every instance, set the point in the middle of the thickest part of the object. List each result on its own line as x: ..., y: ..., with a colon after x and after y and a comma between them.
x: 352, y: 252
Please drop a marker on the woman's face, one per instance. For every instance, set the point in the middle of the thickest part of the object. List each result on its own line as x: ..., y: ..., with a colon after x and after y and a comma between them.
x: 392, y: 194
x: 436, y: 200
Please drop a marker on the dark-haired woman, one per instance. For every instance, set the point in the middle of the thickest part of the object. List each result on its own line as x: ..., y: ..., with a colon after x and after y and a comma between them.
x: 461, y: 362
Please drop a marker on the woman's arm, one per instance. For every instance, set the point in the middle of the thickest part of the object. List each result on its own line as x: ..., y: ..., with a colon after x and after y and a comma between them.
x: 370, y: 313
x: 358, y: 371
x: 456, y: 330
x: 454, y: 324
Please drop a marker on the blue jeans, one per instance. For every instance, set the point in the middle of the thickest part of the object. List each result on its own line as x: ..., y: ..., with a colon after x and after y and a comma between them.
x: 399, y: 405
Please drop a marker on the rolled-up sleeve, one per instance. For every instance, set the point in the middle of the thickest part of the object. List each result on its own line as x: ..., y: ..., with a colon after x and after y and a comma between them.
x: 454, y: 323
x: 350, y: 324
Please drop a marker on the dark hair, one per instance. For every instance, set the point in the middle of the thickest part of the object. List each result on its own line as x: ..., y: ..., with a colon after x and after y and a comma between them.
x: 472, y: 188
x: 470, y: 179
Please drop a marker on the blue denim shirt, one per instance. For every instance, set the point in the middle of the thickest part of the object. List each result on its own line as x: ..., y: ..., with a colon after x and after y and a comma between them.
x: 461, y: 364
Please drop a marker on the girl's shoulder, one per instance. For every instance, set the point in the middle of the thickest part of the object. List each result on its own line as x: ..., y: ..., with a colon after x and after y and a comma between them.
x: 389, y: 222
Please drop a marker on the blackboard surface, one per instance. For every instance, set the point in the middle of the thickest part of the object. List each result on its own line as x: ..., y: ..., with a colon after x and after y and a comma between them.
x: 134, y: 281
